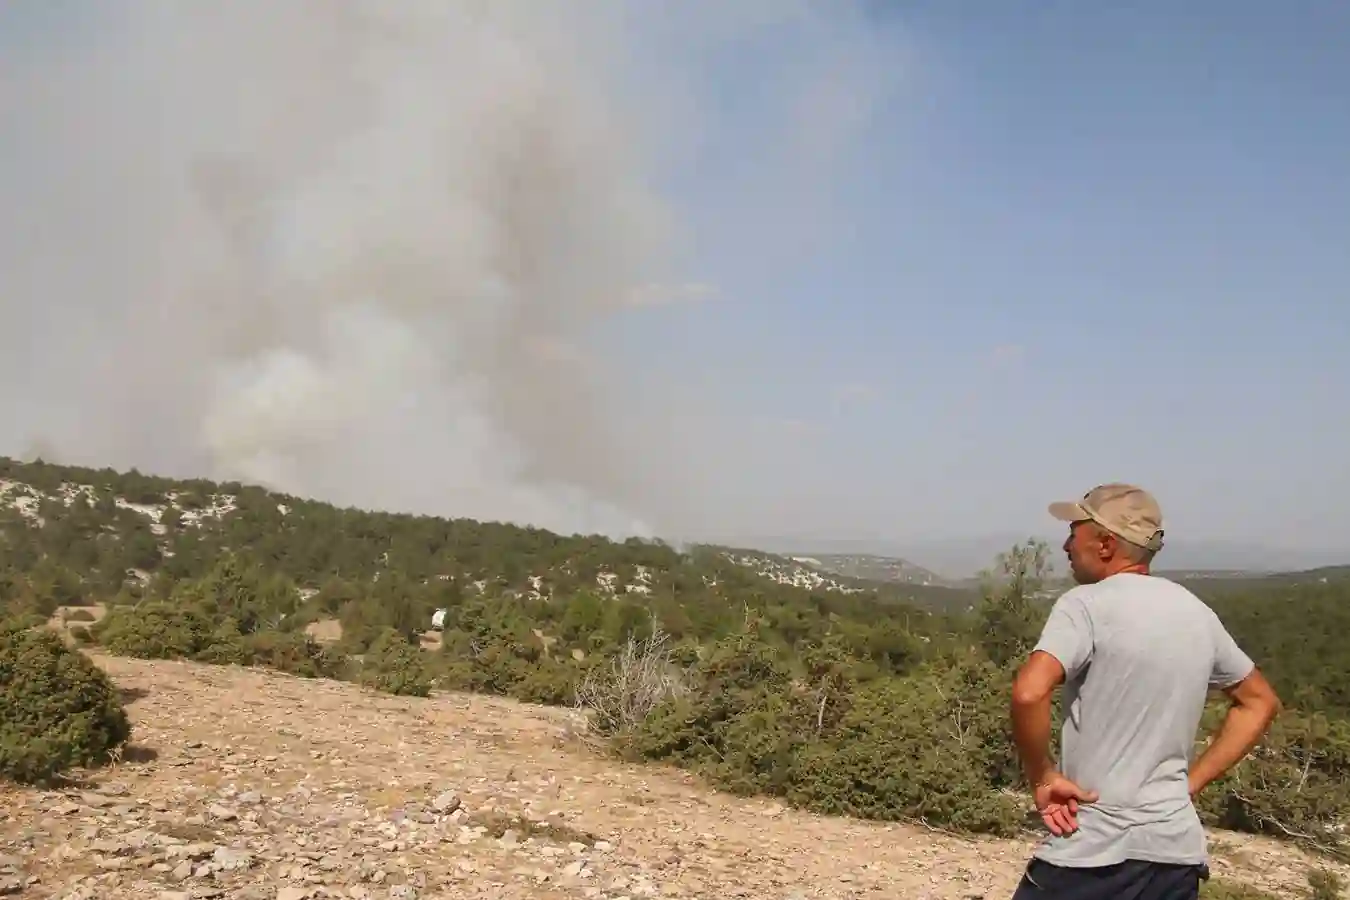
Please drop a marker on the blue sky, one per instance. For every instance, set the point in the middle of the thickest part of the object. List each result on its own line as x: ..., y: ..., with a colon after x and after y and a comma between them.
x: 1070, y: 243
x: 955, y: 260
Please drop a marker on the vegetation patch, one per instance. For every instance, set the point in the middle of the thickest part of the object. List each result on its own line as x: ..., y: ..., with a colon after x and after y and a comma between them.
x: 395, y: 665
x: 57, y: 709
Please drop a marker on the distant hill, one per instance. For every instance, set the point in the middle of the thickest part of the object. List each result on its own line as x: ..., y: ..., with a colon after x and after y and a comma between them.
x: 887, y: 577
x: 79, y: 536
x: 844, y: 562
x: 871, y: 567
x: 957, y: 560
x: 86, y: 534
x: 1229, y: 582
x: 872, y: 559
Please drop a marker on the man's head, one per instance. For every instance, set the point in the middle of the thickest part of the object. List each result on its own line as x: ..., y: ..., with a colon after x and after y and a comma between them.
x: 1114, y: 527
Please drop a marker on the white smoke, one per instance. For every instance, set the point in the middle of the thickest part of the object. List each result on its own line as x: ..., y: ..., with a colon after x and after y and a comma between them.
x: 346, y: 249
x: 361, y: 249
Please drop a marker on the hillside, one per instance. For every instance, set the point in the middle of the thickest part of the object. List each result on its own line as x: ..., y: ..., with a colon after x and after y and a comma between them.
x: 758, y: 674
x: 109, y: 530
x: 883, y: 577
x: 870, y: 567
x: 1216, y: 581
x: 248, y: 784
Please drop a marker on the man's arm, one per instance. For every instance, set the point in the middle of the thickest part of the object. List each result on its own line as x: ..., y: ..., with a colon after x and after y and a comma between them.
x: 1032, y: 689
x: 1254, y: 707
x: 1064, y: 649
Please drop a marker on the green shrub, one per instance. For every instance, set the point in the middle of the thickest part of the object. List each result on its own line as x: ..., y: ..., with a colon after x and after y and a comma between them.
x: 155, y: 629
x: 395, y: 666
x: 293, y: 652
x: 57, y: 709
x: 931, y: 746
x: 552, y: 683
x: 23, y: 620
x: 226, y: 647
x: 1292, y: 785
x: 499, y: 665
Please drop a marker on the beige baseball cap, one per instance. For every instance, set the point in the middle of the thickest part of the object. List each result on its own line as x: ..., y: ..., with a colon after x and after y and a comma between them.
x: 1126, y: 511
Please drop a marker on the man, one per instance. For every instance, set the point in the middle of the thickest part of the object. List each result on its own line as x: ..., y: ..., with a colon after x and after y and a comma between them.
x: 1137, y: 655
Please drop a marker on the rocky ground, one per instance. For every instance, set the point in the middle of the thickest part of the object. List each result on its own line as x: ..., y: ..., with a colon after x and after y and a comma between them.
x: 249, y: 784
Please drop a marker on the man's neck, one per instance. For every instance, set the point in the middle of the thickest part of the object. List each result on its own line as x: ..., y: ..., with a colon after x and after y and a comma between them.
x: 1129, y: 569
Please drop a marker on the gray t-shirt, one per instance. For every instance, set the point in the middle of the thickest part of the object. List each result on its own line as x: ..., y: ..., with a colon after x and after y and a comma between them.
x: 1140, y: 654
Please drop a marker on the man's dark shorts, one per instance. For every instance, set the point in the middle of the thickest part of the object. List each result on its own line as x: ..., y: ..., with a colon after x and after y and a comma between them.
x: 1134, y: 879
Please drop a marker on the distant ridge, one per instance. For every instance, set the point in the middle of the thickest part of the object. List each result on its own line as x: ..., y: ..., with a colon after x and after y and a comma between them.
x: 958, y: 560
x: 873, y: 567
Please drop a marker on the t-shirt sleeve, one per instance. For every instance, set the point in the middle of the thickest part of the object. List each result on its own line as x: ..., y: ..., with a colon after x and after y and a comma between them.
x: 1231, y: 664
x: 1067, y: 635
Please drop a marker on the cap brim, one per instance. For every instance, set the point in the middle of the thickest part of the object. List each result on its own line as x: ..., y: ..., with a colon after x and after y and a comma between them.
x: 1069, y: 512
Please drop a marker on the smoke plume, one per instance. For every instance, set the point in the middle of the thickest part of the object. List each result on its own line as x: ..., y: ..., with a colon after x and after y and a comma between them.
x: 373, y: 251
x: 348, y: 250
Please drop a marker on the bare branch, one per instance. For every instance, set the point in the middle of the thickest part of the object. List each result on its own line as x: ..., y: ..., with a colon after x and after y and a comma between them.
x: 637, y: 681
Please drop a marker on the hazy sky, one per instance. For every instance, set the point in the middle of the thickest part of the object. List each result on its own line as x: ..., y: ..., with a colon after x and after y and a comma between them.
x: 894, y: 271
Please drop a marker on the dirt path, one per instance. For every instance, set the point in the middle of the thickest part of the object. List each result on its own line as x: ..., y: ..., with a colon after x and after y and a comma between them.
x: 265, y: 786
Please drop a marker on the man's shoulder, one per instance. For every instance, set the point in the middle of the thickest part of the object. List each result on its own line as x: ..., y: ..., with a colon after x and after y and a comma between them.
x: 1090, y: 594
x: 1132, y: 584
x: 1134, y: 592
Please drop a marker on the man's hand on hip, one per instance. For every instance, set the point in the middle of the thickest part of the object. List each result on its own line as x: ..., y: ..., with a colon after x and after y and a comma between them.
x: 1057, y: 800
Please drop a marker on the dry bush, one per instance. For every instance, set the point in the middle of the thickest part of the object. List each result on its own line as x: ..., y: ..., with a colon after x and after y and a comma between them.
x: 642, y: 676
